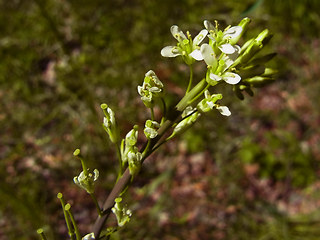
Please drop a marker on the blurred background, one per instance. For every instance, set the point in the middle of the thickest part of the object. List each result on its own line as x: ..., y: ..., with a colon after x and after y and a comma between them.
x: 254, y: 175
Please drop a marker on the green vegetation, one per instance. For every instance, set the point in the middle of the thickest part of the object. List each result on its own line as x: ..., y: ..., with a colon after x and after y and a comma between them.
x: 254, y: 176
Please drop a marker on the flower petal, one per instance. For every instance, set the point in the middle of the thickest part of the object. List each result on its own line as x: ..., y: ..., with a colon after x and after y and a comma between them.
x: 177, y: 33
x: 208, y: 25
x: 233, y: 32
x: 227, y: 48
x: 196, y: 54
x: 170, y: 51
x: 231, y: 78
x: 208, y: 55
x: 215, y: 77
x: 199, y: 38
x: 224, y: 110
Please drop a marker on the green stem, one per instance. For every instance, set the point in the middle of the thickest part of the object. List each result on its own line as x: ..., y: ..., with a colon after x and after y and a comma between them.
x: 164, y: 107
x: 96, y: 204
x: 187, y: 99
x: 66, y: 216
x: 74, y: 224
x: 41, y: 233
x: 200, y: 94
x: 120, y: 161
x: 152, y: 114
x: 191, y: 79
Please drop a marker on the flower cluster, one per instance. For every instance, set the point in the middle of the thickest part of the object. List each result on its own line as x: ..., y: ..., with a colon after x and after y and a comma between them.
x: 225, y: 59
x: 130, y: 153
x: 151, y: 128
x: 109, y: 123
x: 150, y: 89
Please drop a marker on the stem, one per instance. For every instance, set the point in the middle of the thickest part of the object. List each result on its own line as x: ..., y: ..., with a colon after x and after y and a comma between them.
x: 66, y: 216
x: 120, y: 161
x: 164, y: 107
x: 152, y: 114
x: 191, y: 79
x: 41, y: 233
x: 74, y: 224
x: 96, y: 203
x: 200, y: 94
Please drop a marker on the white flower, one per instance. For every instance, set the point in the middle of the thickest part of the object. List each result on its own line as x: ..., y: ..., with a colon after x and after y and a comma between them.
x: 151, y: 128
x: 87, y: 180
x: 123, y: 215
x: 186, y: 47
x: 224, y: 40
x: 222, y: 65
x: 228, y: 77
x: 150, y: 88
x: 209, y: 102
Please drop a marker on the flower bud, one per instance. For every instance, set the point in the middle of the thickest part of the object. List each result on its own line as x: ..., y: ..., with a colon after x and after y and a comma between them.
x: 123, y: 215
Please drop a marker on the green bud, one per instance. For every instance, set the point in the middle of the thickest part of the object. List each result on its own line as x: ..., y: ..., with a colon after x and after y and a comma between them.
x: 269, y: 72
x: 258, y: 81
x: 237, y: 91
x: 190, y: 116
x: 76, y: 152
x: 109, y: 123
x: 262, y: 60
x: 134, y: 161
x: 132, y: 136
x: 251, y: 71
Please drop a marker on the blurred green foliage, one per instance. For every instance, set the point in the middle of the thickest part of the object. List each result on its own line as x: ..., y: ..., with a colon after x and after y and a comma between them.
x: 59, y: 60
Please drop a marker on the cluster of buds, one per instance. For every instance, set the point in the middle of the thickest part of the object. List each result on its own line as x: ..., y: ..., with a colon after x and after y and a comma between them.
x: 123, y: 215
x: 130, y: 153
x: 109, y: 123
x: 151, y: 88
x: 151, y: 129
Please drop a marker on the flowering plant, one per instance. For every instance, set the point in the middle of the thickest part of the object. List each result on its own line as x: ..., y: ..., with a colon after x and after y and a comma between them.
x: 226, y: 61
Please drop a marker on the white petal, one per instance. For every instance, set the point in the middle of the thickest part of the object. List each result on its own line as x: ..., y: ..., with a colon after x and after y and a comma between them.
x: 177, y: 33
x: 170, y: 51
x: 231, y: 78
x: 150, y: 73
x: 233, y: 32
x: 196, y: 54
x: 224, y: 110
x: 199, y: 38
x: 208, y: 25
x: 215, y: 77
x: 227, y: 48
x: 208, y: 55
